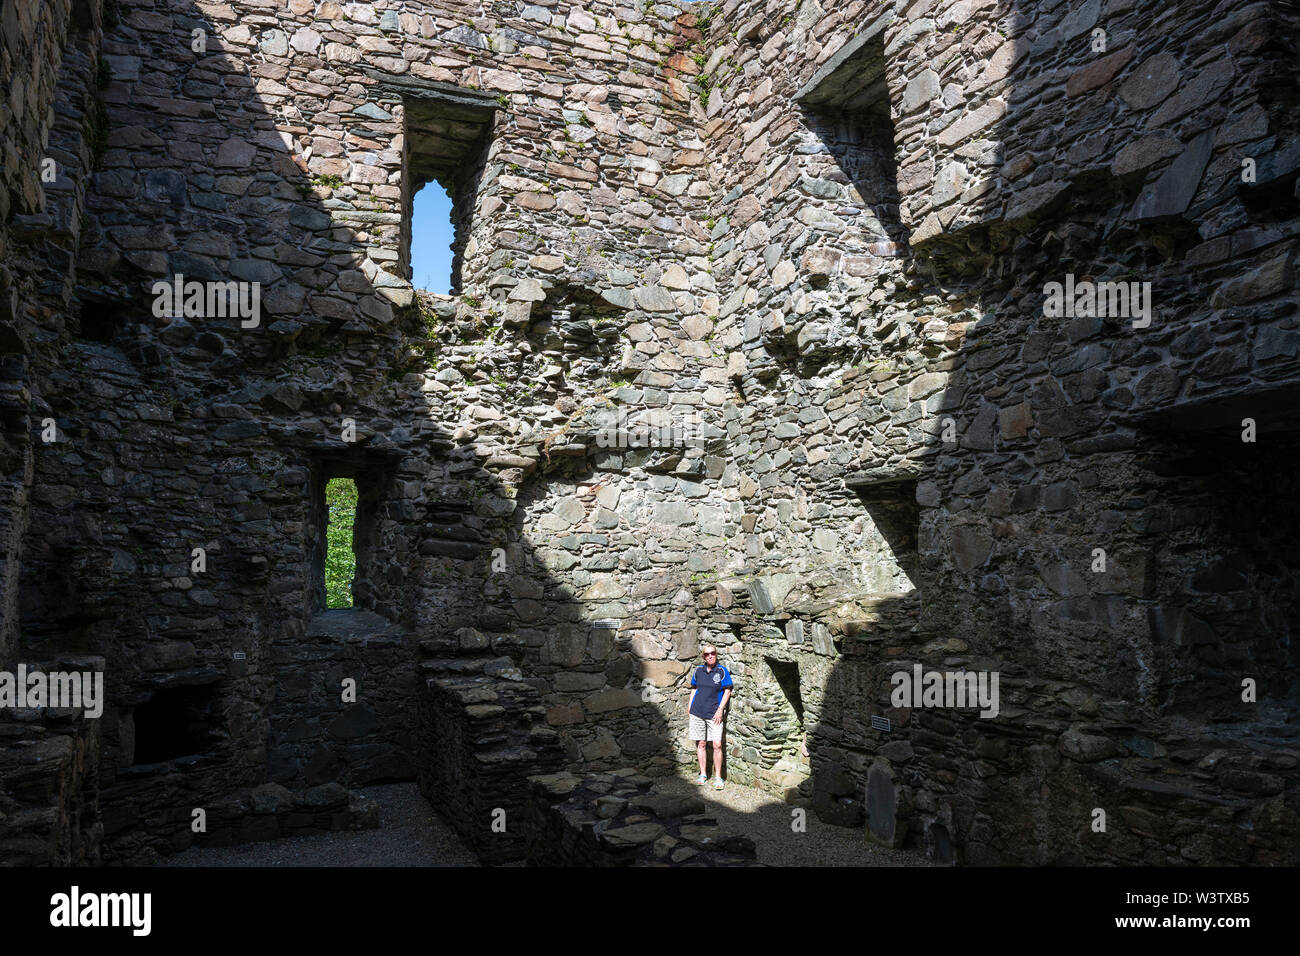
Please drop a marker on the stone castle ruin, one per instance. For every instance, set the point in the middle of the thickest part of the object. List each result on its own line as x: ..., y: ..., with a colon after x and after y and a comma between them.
x: 810, y: 241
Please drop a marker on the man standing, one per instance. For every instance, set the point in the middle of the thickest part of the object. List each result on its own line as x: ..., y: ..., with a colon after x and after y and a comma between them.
x: 708, y: 706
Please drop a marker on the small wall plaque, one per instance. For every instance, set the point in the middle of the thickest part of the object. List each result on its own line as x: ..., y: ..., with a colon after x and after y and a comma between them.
x: 880, y: 723
x: 607, y: 624
x: 239, y: 655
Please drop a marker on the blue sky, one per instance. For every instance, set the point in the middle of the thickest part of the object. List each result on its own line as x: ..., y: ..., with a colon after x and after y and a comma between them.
x: 431, y: 237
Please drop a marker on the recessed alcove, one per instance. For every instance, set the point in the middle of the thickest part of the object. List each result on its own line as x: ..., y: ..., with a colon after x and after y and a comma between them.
x: 846, y: 105
x: 1222, y: 592
x: 782, y: 716
x: 888, y: 547
x: 100, y: 321
x: 175, y: 722
x: 787, y: 678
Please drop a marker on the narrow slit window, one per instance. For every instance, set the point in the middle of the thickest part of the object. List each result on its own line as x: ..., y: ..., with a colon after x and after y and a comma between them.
x: 340, y: 555
x: 448, y: 138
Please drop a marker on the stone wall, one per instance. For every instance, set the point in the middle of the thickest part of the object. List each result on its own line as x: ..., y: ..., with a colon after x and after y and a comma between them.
x: 271, y: 811
x: 47, y: 53
x: 49, y: 758
x: 49, y: 783
x: 318, y: 734
x: 200, y: 179
x: 808, y: 242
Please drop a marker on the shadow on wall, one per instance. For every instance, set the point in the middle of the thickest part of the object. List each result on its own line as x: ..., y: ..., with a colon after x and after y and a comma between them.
x: 1086, y: 527
x: 177, y: 530
x: 1097, y: 532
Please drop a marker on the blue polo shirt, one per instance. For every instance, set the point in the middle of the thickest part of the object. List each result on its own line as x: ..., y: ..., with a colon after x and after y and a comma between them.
x: 709, y: 685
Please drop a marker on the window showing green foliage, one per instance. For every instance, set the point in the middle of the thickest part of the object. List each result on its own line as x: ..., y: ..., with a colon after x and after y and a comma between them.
x: 340, y: 561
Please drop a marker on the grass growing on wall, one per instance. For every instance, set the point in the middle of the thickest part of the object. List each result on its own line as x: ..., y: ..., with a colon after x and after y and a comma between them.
x: 340, y: 561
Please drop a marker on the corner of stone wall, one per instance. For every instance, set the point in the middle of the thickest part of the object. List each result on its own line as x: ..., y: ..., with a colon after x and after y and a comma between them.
x: 480, y: 737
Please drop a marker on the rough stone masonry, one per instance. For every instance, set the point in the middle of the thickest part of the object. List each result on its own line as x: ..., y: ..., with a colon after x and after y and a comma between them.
x: 817, y: 240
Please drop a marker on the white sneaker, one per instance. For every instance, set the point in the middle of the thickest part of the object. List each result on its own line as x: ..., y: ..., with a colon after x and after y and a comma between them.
x: 701, y: 779
x: 717, y: 783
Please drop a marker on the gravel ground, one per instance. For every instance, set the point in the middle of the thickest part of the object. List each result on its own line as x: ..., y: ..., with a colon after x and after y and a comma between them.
x: 409, y: 834
x: 767, y: 821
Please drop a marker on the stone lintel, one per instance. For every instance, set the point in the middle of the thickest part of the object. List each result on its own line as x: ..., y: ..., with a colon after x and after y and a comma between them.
x: 857, y: 67
x: 879, y: 480
x: 477, y: 104
x: 353, y: 453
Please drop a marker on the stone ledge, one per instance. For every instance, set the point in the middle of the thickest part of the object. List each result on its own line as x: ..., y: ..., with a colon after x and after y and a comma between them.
x: 353, y: 624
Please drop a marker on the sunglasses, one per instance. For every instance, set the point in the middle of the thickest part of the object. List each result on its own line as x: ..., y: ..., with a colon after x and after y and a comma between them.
x: 712, y: 654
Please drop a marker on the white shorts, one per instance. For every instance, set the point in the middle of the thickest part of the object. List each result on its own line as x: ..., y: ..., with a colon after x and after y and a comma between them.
x: 702, y: 729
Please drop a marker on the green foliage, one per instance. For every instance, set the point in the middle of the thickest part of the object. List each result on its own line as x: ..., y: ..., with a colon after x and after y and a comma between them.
x: 705, y: 18
x: 328, y: 181
x: 706, y: 86
x: 340, y: 561
x: 431, y: 322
